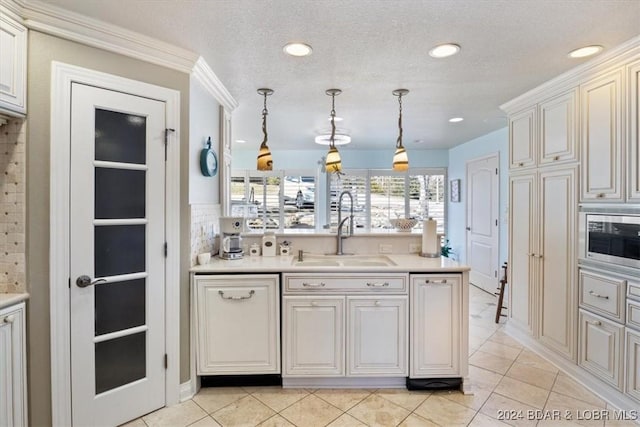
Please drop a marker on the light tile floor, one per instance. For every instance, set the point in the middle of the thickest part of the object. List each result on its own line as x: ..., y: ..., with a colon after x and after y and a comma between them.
x: 513, y: 386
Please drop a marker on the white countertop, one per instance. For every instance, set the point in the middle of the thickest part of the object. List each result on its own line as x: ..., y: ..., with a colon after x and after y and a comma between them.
x: 10, y: 299
x: 280, y: 264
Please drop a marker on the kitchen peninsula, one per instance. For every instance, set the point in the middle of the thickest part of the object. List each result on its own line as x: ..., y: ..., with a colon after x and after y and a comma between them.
x: 347, y: 321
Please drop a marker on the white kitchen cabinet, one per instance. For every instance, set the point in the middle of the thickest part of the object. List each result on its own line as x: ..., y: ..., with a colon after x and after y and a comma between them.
x: 633, y: 184
x: 632, y: 387
x: 602, y: 138
x: 13, y: 367
x: 238, y: 324
x: 601, y: 348
x: 522, y: 139
x: 377, y: 336
x: 314, y: 336
x: 436, y: 326
x: 523, y: 196
x: 542, y: 259
x: 13, y: 66
x: 558, y: 133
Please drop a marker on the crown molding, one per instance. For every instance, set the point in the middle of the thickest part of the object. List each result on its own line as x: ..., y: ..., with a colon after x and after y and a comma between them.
x: 205, y: 76
x: 49, y: 19
x: 624, y: 52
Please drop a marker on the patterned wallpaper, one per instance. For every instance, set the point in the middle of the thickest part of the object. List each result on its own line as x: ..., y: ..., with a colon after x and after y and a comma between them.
x: 12, y: 206
x: 204, y: 226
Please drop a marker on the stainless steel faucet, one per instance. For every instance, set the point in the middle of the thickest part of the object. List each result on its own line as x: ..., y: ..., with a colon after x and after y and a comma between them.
x: 342, y: 221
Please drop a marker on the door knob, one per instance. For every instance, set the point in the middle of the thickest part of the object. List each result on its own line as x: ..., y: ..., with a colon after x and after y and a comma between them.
x: 84, y: 281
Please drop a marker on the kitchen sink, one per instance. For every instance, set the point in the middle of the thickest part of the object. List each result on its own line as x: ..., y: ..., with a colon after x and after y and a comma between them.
x: 344, y: 261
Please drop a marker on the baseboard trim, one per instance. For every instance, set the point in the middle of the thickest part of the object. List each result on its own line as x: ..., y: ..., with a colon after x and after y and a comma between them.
x: 187, y: 390
x: 601, y: 389
x: 345, y: 382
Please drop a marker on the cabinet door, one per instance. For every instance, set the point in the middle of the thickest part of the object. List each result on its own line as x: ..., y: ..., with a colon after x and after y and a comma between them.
x: 558, y: 129
x: 377, y: 336
x: 435, y: 321
x: 601, y: 118
x: 522, y: 137
x: 313, y: 336
x: 523, y: 244
x: 633, y: 185
x: 13, y: 386
x: 557, y: 260
x: 13, y: 65
x: 633, y: 364
x: 238, y: 325
x: 601, y: 348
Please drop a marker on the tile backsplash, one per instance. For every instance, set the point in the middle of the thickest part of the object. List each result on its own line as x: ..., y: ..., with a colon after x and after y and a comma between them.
x: 204, y: 227
x: 12, y: 206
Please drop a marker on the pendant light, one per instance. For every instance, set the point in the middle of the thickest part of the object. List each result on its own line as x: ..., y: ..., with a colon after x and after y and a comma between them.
x: 265, y: 161
x: 333, y: 162
x: 400, y: 158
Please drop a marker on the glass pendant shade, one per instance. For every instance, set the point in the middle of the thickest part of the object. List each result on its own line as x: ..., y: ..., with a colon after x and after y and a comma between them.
x: 265, y: 161
x: 400, y: 160
x: 333, y: 162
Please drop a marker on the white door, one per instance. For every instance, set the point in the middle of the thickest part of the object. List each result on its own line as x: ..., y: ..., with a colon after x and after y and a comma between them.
x: 117, y: 256
x: 482, y: 222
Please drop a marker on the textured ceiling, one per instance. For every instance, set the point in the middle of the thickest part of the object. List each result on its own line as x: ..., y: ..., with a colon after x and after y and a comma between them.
x: 367, y: 48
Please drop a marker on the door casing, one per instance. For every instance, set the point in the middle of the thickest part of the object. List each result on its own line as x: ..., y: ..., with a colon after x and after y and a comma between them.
x: 62, y: 77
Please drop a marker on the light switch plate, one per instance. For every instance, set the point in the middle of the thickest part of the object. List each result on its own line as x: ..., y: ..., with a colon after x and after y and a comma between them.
x: 385, y: 248
x: 414, y: 248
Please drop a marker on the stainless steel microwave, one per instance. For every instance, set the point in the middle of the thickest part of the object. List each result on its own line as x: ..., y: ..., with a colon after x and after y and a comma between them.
x: 612, y: 238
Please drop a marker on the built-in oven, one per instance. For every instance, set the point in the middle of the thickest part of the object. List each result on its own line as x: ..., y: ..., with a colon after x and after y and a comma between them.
x: 611, y: 238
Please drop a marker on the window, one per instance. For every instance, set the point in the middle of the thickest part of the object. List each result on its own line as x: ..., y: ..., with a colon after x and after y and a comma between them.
x: 274, y: 200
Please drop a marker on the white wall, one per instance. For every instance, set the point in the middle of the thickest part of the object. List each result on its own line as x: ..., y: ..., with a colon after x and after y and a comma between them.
x: 494, y: 142
x: 204, y: 122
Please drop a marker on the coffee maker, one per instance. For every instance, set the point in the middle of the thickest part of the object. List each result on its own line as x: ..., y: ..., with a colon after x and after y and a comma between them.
x: 230, y: 240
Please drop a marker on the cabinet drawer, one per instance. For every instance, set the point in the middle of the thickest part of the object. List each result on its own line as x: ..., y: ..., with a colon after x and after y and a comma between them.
x: 632, y: 387
x: 633, y: 290
x: 339, y: 282
x: 603, y: 295
x: 601, y: 348
x: 633, y: 314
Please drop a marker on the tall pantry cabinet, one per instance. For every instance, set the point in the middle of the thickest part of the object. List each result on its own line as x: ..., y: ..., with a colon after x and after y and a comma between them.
x: 543, y: 200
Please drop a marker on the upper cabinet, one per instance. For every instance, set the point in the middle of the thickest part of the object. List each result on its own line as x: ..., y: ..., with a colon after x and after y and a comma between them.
x: 13, y: 66
x: 633, y: 186
x: 545, y: 133
x: 601, y: 117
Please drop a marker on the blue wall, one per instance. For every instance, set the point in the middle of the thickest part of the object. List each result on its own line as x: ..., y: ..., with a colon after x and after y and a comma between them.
x: 494, y: 142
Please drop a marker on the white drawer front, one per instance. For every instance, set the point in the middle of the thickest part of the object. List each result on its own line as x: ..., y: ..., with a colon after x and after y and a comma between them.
x: 600, y: 348
x: 633, y: 314
x: 350, y: 282
x: 633, y: 364
x: 603, y: 295
x: 633, y: 290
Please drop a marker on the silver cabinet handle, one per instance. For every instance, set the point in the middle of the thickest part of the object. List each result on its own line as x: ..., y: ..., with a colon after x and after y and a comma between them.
x: 596, y: 323
x: 436, y: 281
x: 313, y: 285
x: 598, y: 295
x: 377, y: 285
x: 251, y: 293
x: 377, y: 303
x: 538, y: 256
x: 9, y: 319
x: 84, y: 281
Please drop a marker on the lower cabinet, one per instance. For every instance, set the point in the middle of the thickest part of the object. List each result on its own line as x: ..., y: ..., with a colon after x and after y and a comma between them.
x: 601, y: 347
x: 13, y: 367
x: 334, y: 336
x: 237, y: 324
x: 632, y: 387
x: 437, y: 335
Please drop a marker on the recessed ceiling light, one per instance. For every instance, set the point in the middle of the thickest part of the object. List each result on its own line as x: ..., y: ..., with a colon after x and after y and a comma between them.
x: 240, y: 141
x: 419, y: 141
x: 585, y: 51
x: 444, y: 50
x: 456, y: 119
x: 336, y: 118
x: 297, y: 49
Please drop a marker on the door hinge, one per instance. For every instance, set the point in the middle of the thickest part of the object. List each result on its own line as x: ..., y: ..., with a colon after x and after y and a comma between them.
x: 166, y: 249
x: 166, y: 361
x: 496, y: 171
x: 69, y: 282
x: 166, y: 140
x: 495, y: 273
x: 496, y: 222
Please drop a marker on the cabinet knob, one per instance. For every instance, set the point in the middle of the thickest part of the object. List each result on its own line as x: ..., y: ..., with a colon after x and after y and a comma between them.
x: 521, y: 164
x: 9, y: 319
x: 377, y: 303
x: 556, y: 158
x: 314, y: 304
x: 600, y: 195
